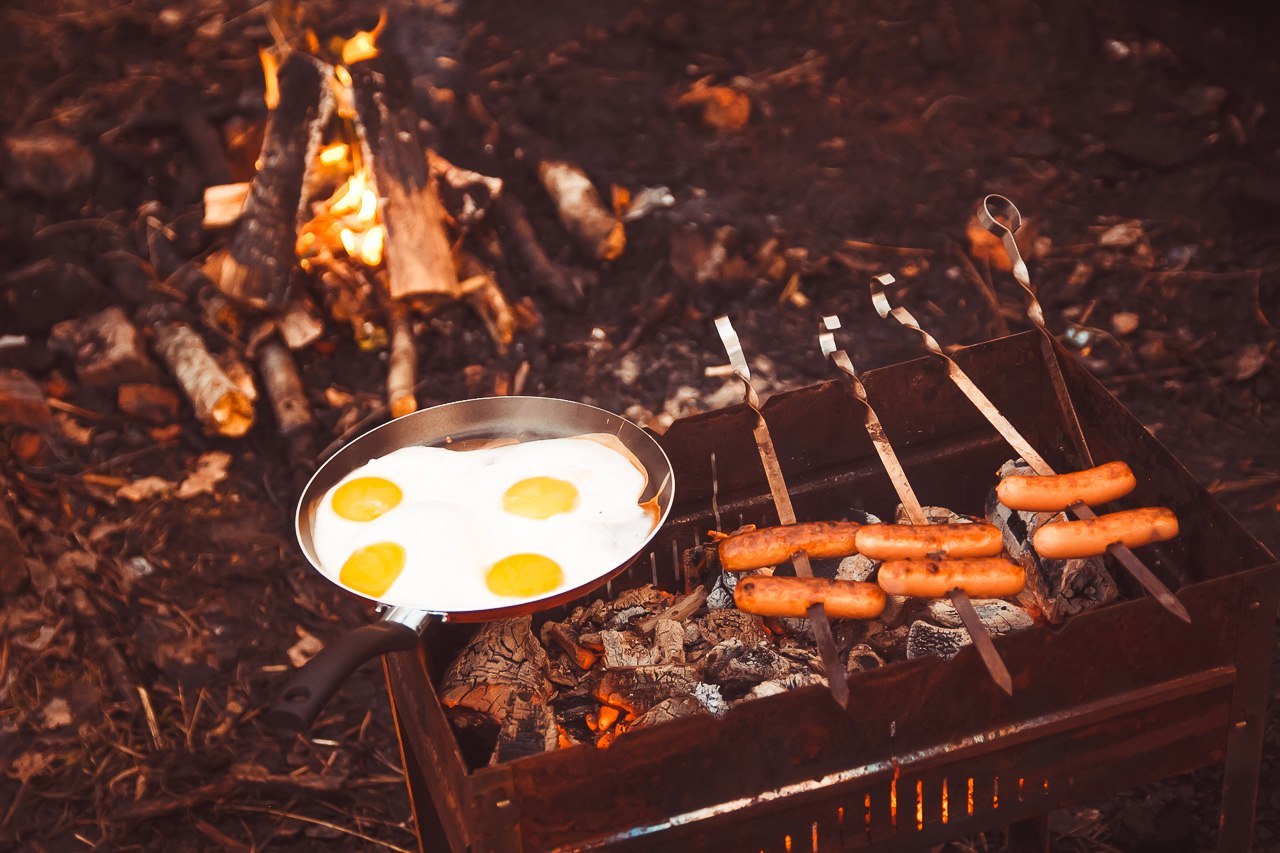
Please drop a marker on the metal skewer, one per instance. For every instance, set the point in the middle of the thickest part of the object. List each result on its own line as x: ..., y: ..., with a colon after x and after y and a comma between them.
x: 1122, y: 553
x: 911, y: 504
x: 837, y: 681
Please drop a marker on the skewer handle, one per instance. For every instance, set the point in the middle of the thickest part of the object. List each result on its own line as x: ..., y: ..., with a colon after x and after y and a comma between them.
x: 982, y: 640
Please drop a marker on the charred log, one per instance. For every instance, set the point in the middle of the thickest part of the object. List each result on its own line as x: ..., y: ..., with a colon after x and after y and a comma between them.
x: 289, y: 404
x: 565, y: 286
x: 255, y: 268
x: 107, y: 349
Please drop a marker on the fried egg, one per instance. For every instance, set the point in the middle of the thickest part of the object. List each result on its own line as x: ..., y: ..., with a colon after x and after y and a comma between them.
x: 458, y: 531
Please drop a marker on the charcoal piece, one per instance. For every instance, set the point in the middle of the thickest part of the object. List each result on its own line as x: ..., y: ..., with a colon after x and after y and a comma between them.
x: 529, y: 729
x: 1055, y: 588
x: 709, y: 696
x: 924, y: 640
x: 668, y: 641
x: 637, y: 690
x: 623, y: 650
x: 721, y: 595
x: 888, y: 642
x: 862, y: 657
x: 648, y: 597
x: 736, y: 666
x: 669, y: 709
x: 719, y: 625
x: 999, y: 616
x: 623, y: 617
x: 934, y: 515
x: 857, y: 567
x: 790, y: 682
x: 501, y: 671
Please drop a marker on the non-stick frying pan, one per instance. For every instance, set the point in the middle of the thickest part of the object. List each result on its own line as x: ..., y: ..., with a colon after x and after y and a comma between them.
x: 452, y: 425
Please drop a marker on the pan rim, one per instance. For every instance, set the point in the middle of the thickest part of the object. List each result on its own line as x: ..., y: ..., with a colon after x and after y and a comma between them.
x: 664, y: 484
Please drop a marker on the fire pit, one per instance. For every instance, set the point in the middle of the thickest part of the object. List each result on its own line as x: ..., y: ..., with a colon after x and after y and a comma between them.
x: 927, y: 749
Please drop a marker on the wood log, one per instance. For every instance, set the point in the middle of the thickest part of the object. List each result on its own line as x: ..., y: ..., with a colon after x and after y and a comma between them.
x: 595, y: 228
x: 255, y: 267
x: 299, y: 325
x: 503, y: 670
x: 106, y: 348
x: 219, y: 403
x: 22, y: 402
x: 419, y: 259
x: 402, y: 363
x: 288, y: 398
x: 223, y: 204
x: 1055, y: 589
x: 486, y: 297
x: 565, y: 286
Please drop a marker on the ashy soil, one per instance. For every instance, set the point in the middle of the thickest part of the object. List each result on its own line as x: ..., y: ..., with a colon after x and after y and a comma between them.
x: 137, y: 655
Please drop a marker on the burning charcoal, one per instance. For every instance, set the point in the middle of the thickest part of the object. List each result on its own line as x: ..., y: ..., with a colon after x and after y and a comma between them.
x: 669, y: 709
x: 624, y: 650
x: 561, y: 672
x: 622, y: 618
x: 719, y: 625
x: 721, y: 595
x: 566, y: 638
x: 503, y: 668
x: 668, y: 641
x: 925, y: 639
x: 782, y: 685
x: 527, y: 730
x: 889, y: 642
x: 648, y: 596
x: 1056, y: 588
x: 637, y: 690
x: 934, y: 515
x: 999, y: 617
x: 863, y: 657
x: 857, y: 567
x: 735, y: 666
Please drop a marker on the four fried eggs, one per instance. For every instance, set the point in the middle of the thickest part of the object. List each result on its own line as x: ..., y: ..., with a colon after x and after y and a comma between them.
x: 456, y: 531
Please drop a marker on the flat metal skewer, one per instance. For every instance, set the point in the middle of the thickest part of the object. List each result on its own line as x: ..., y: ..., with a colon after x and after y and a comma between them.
x: 911, y: 504
x: 1122, y: 553
x: 837, y: 681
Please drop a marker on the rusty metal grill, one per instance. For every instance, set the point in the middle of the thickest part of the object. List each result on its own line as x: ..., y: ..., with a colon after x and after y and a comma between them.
x: 927, y: 749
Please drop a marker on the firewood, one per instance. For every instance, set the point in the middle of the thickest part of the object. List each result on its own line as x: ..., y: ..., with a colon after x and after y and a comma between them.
x: 402, y: 365
x: 595, y: 228
x: 255, y: 268
x: 1055, y: 589
x: 22, y: 402
x: 488, y: 300
x: 299, y: 326
x: 564, y: 286
x: 736, y: 666
x: 219, y: 403
x: 223, y: 204
x: 107, y: 349
x: 419, y: 259
x: 636, y: 690
x: 288, y: 398
x: 239, y: 373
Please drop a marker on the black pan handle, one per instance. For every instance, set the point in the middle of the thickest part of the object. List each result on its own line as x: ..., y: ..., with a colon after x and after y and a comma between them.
x: 310, y: 687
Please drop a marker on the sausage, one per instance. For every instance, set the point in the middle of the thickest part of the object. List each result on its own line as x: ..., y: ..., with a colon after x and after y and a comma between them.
x: 1089, y: 537
x: 770, y: 546
x: 786, y: 596
x: 904, y: 541
x: 1056, y: 492
x: 990, y: 577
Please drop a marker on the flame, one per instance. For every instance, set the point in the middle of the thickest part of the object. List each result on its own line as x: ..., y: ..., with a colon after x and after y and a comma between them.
x: 363, y: 45
x: 919, y: 804
x: 335, y: 154
x: 271, y: 77
x: 970, y: 795
x: 945, y: 808
x: 893, y: 798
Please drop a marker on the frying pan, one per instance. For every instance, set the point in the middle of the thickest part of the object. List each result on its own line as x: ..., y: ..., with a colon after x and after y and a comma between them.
x: 454, y: 425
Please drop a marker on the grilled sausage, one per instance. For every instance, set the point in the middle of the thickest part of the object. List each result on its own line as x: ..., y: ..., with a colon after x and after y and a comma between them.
x: 991, y: 577
x: 904, y: 541
x: 785, y: 596
x: 1089, y: 537
x: 1059, y: 491
x: 769, y: 546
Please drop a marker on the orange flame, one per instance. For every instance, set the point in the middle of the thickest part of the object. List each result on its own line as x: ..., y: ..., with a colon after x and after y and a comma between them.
x: 270, y: 77
x: 364, y: 44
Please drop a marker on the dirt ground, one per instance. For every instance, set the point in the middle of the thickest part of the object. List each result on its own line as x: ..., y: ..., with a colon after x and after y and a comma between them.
x: 146, y: 637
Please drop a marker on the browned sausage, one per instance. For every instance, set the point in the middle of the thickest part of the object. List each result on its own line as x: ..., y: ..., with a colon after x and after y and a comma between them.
x: 1059, y: 491
x: 904, y: 541
x: 1060, y: 540
x: 992, y: 577
x: 769, y: 546
x: 785, y: 596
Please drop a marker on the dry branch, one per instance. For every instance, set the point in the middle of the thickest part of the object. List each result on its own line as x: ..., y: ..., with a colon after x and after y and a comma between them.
x: 595, y: 228
x: 288, y: 398
x: 488, y: 300
x: 564, y: 286
x: 402, y: 365
x: 419, y: 259
x: 255, y: 268
x: 219, y: 402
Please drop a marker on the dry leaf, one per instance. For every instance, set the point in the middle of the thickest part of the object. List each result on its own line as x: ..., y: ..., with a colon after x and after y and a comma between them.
x: 306, y: 648
x: 73, y: 430
x: 1124, y: 322
x: 29, y: 765
x: 985, y: 246
x: 723, y: 109
x: 56, y: 714
x: 145, y: 489
x: 211, y: 469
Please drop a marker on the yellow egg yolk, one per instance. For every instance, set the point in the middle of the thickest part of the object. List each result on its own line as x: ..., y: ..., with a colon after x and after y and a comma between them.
x: 372, y: 569
x: 365, y: 498
x: 524, y: 575
x: 540, y: 497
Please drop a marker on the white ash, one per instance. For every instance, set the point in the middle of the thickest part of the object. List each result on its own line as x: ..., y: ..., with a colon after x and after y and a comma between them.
x: 624, y: 617
x: 782, y: 685
x: 857, y: 567
x: 998, y: 615
x: 721, y: 595
x: 934, y: 515
x: 708, y: 695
